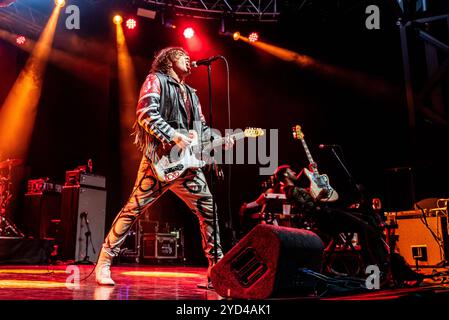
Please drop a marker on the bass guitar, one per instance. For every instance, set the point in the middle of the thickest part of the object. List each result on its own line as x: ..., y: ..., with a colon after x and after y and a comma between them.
x: 320, y: 189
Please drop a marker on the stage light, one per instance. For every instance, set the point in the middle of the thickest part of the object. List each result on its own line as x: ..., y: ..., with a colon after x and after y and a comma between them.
x: 20, y: 40
x: 127, y: 87
x: 131, y: 23
x: 60, y: 3
x: 253, y: 37
x: 170, y: 25
x: 117, y: 19
x: 188, y: 33
x: 19, y: 109
x: 236, y: 35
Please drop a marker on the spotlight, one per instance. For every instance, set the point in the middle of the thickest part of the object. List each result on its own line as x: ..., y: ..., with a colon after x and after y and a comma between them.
x: 253, y: 37
x: 170, y: 25
x: 236, y: 35
x: 60, y: 3
x: 131, y: 23
x: 188, y: 33
x: 20, y: 40
x: 118, y: 19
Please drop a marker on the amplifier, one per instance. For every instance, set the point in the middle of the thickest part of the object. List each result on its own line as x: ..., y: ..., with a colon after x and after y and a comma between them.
x: 39, y: 186
x: 160, y: 246
x: 79, y: 177
x: 92, y: 180
x: 422, y: 235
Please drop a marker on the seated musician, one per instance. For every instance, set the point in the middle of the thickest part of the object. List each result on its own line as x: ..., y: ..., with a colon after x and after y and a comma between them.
x: 270, y: 203
x: 329, y: 222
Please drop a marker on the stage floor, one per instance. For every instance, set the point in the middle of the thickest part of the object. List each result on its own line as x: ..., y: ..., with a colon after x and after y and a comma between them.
x: 145, y: 282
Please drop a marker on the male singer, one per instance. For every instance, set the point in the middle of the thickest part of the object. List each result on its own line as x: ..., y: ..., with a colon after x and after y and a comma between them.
x: 166, y: 109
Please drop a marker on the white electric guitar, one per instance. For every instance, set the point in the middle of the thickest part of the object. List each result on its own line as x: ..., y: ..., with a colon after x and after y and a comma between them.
x: 320, y: 188
x: 174, y: 162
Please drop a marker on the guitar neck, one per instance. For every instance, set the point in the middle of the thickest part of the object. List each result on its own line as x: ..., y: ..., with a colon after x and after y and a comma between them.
x: 220, y: 141
x: 308, y: 154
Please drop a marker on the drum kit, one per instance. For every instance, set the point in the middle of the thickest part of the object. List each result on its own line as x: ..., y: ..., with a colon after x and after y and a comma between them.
x: 7, y: 228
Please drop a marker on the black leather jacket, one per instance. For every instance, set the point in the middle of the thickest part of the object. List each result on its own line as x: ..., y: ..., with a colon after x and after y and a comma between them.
x: 161, y: 111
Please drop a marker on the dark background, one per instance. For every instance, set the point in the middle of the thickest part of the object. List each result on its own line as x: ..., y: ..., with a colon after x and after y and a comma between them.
x: 78, y: 113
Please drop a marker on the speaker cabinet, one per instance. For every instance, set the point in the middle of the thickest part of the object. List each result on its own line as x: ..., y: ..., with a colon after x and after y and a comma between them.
x: 42, y: 210
x: 82, y: 222
x: 416, y: 241
x: 265, y: 263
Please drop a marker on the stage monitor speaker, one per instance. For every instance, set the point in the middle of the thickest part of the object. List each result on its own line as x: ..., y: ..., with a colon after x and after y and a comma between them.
x: 266, y: 261
x: 83, y: 210
x: 416, y: 242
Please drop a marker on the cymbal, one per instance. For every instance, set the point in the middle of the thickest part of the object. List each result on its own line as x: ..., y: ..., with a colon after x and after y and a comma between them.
x: 10, y: 163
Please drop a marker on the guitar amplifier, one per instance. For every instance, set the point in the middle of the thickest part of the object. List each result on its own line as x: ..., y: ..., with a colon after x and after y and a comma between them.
x: 160, y: 246
x: 422, y: 236
x: 39, y: 186
x: 83, y: 215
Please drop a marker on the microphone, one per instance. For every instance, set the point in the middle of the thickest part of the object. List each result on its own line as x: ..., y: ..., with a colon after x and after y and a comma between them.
x: 324, y: 146
x: 204, y: 62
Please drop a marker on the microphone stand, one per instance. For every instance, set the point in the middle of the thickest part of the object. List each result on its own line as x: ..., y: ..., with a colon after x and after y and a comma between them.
x: 357, y: 186
x: 88, y: 235
x: 212, y: 154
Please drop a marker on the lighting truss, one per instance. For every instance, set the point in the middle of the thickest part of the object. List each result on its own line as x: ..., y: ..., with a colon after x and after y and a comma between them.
x: 241, y: 10
x: 23, y: 19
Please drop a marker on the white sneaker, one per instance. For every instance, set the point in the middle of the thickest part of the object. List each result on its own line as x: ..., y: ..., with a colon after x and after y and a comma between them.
x: 103, y: 270
x: 103, y: 275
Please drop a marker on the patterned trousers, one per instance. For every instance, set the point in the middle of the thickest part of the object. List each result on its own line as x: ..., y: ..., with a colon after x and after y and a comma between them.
x: 191, y: 187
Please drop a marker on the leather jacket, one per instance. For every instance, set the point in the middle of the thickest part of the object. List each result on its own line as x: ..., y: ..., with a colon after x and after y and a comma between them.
x: 161, y: 111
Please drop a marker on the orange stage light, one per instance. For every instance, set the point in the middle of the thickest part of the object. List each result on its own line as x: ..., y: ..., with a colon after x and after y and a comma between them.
x: 60, y: 3
x: 19, y: 109
x: 117, y: 19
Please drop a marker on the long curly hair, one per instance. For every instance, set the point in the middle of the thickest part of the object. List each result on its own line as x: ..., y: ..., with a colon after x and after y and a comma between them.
x: 163, y: 60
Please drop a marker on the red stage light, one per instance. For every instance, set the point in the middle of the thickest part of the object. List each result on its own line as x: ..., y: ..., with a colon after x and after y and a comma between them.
x: 20, y: 40
x: 189, y: 33
x: 253, y: 37
x: 131, y: 23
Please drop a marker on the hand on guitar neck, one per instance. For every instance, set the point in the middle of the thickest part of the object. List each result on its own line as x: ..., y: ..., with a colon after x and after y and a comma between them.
x: 313, y: 166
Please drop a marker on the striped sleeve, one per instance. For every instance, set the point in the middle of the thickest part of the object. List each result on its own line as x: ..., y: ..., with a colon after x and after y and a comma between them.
x: 147, y: 112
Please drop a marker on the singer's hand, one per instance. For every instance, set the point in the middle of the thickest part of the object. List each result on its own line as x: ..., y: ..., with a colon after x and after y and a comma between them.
x: 229, y: 143
x: 181, y: 140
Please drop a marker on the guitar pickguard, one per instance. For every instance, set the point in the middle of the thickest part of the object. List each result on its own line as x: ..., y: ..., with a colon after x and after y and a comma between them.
x: 320, y: 188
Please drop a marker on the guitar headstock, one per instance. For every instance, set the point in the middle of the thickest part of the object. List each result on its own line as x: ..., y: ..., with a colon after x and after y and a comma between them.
x: 297, y: 133
x: 253, y: 132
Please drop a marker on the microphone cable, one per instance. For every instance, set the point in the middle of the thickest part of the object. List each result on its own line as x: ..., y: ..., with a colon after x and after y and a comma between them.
x: 228, y: 108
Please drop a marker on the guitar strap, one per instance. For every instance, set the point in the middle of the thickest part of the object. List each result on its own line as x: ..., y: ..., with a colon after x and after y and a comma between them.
x: 300, y: 174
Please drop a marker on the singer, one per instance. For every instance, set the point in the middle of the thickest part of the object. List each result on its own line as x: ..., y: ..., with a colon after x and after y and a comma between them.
x: 167, y: 108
